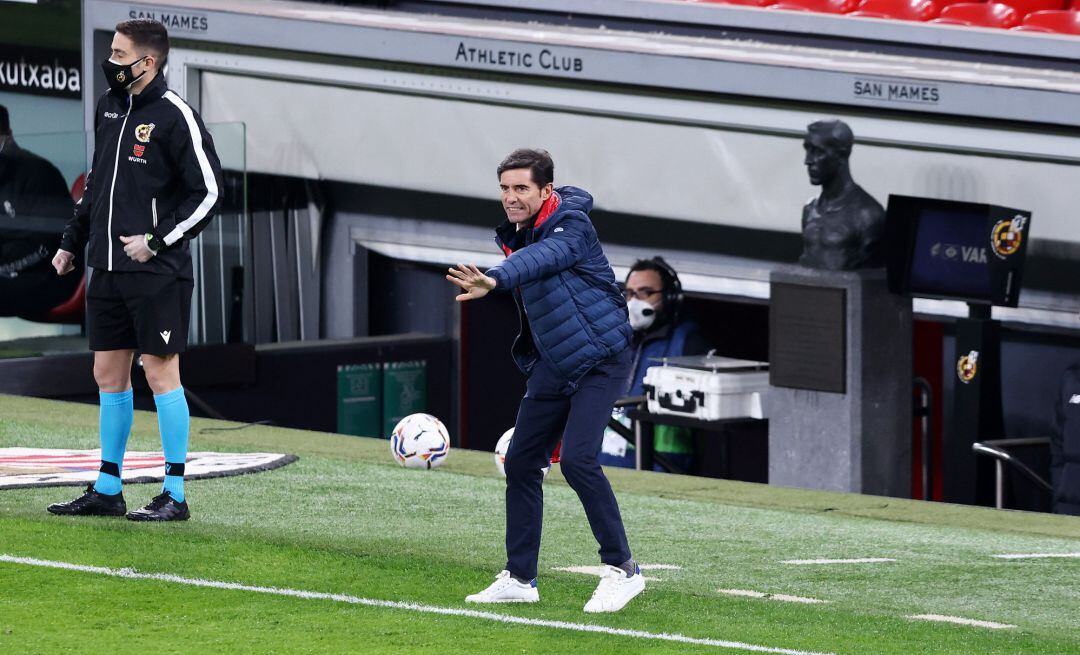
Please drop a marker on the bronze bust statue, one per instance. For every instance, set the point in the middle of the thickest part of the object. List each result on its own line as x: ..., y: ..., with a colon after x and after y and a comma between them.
x: 843, y: 227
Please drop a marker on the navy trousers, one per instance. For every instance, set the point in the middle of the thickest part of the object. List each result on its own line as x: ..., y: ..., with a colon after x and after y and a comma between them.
x: 551, y: 411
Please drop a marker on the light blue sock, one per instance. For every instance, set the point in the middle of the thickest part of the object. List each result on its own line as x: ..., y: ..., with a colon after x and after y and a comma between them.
x: 173, y: 422
x: 114, y: 426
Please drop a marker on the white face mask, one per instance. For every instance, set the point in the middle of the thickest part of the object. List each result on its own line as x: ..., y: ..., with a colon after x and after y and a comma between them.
x: 642, y: 314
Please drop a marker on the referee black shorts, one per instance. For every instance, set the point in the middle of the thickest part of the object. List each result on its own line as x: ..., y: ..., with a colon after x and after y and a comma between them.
x: 147, y: 312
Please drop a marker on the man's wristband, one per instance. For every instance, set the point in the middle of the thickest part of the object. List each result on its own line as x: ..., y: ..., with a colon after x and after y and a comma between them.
x: 154, y: 242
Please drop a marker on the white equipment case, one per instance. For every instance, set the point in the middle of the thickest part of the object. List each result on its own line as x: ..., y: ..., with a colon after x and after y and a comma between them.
x: 706, y: 387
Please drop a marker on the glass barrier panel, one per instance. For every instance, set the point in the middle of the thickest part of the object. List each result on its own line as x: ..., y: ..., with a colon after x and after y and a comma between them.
x: 39, y: 311
x: 41, y: 175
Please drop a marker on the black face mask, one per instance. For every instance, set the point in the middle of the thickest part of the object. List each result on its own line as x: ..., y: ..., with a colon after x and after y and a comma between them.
x: 119, y: 76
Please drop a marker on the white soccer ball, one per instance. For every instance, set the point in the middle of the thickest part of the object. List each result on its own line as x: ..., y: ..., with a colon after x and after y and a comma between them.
x: 420, y: 441
x: 501, y: 447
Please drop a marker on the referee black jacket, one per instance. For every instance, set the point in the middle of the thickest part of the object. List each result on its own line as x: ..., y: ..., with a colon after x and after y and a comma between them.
x: 155, y: 170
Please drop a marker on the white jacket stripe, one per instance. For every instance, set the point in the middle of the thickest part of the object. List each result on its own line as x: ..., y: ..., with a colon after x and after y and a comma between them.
x: 208, y: 174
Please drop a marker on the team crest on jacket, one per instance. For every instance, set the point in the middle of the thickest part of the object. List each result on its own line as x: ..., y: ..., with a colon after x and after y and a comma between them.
x: 142, y: 132
x: 968, y: 366
x: 1007, y: 235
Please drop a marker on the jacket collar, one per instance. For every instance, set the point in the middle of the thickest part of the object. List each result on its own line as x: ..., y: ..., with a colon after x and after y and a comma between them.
x: 655, y: 332
x: 8, y: 147
x: 547, y: 209
x: 154, y: 90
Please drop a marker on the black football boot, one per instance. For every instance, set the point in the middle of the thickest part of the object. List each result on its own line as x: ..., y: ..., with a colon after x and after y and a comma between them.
x: 91, y: 503
x: 162, y: 508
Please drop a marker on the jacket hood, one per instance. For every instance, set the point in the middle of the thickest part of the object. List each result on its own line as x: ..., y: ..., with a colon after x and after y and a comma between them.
x: 575, y: 198
x: 564, y: 199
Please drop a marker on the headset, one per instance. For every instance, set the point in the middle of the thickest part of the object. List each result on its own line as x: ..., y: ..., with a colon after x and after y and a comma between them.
x: 673, y: 291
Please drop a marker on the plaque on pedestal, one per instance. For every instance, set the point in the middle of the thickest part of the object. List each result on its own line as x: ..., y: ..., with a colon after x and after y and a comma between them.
x: 806, y: 337
x: 840, y: 404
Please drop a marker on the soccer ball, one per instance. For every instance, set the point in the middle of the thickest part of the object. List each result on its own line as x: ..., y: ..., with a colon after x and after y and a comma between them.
x: 420, y: 441
x: 500, y: 453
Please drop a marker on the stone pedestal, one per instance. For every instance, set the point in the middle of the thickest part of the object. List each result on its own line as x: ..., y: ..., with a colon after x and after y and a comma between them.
x: 841, y: 422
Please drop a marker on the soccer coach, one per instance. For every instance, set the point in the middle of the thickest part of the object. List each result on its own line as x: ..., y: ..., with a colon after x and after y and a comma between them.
x: 154, y: 184
x: 573, y: 347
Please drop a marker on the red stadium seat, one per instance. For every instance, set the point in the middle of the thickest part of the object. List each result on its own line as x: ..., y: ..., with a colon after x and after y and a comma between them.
x: 744, y: 3
x: 822, y: 6
x: 78, y: 188
x: 71, y: 311
x: 920, y: 10
x: 1025, y: 7
x: 1056, y: 22
x: 949, y: 3
x: 980, y: 14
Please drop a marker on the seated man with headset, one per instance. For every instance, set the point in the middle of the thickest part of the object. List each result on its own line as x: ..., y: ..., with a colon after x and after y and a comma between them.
x: 654, y: 296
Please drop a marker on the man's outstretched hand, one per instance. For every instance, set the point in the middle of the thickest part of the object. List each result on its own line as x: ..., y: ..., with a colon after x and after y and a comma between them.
x: 471, y: 280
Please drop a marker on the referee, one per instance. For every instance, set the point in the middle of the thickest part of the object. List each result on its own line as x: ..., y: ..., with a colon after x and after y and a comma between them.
x: 153, y: 186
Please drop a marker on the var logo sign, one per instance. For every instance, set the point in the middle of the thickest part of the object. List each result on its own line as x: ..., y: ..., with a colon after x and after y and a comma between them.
x: 953, y: 252
x: 973, y: 255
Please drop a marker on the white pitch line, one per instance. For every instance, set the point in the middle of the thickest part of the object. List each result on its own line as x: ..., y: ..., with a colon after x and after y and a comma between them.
x: 858, y: 560
x: 962, y: 621
x: 1037, y: 555
x: 781, y: 597
x: 132, y: 574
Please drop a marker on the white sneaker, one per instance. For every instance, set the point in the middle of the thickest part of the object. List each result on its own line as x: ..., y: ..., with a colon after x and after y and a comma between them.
x: 506, y: 589
x: 615, y: 590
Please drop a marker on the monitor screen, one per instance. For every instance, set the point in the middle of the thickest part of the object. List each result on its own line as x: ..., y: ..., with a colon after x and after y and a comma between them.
x: 950, y: 253
x: 956, y: 250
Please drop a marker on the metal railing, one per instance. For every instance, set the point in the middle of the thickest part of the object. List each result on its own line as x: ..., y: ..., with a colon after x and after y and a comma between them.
x: 995, y: 448
x: 633, y: 436
x: 923, y: 412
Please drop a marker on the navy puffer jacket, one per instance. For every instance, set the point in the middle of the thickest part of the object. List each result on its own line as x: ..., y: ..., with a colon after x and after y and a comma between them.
x: 562, y: 280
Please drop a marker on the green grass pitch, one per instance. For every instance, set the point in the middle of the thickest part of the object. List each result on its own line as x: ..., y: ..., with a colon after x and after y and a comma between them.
x: 345, y: 519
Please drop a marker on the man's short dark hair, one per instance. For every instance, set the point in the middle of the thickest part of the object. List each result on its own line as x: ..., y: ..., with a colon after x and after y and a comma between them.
x: 5, y: 121
x: 653, y: 265
x: 539, y: 163
x: 147, y: 34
